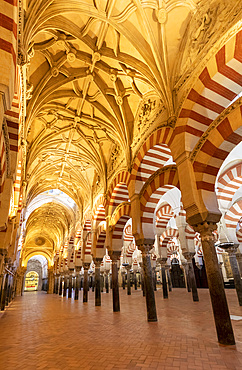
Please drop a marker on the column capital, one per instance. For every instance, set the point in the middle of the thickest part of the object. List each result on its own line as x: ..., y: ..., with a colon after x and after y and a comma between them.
x: 114, y: 255
x: 189, y: 256
x: 145, y: 245
x: 97, y: 261
x: 86, y: 266
x: 205, y: 229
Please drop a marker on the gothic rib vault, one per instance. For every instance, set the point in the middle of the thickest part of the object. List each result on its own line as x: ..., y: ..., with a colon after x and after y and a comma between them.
x: 120, y: 110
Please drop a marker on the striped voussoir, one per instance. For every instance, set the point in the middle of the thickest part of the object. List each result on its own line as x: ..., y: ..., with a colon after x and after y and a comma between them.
x: 157, y: 186
x: 119, y: 227
x: 121, y: 177
x: 217, y: 86
x: 190, y: 233
x: 124, y: 209
x: 160, y: 136
x: 98, y: 215
x: 228, y: 183
x: 233, y: 215
x: 101, y: 236
x: 154, y: 159
x: 239, y: 233
x: 119, y: 195
x: 163, y: 215
x: 130, y: 250
x: 172, y: 248
x: 168, y: 234
x: 88, y: 244
x: 8, y: 27
x: 128, y: 236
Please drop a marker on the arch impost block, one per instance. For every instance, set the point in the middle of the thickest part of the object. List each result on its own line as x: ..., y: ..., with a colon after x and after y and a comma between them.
x: 198, y: 220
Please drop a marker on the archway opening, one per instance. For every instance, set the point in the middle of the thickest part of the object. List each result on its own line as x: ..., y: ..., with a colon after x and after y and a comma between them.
x: 36, y: 274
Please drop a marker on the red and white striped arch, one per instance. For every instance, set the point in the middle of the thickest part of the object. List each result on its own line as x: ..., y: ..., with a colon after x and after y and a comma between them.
x: 167, y: 235
x: 130, y: 250
x: 233, y: 215
x: 127, y: 235
x: 217, y: 86
x: 163, y: 215
x: 239, y: 231
x: 228, y: 183
x: 119, y: 195
x: 158, y: 137
x: 166, y: 179
x: 121, y: 177
x: 172, y: 248
x: 98, y: 212
x: 190, y: 233
x: 154, y: 159
x: 101, y: 236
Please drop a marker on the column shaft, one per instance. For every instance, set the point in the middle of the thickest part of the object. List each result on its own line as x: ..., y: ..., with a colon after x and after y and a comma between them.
x: 236, y: 275
x: 116, y: 304
x: 128, y: 281
x: 97, y: 286
x: 149, y: 291
x: 164, y: 282
x: 85, y: 286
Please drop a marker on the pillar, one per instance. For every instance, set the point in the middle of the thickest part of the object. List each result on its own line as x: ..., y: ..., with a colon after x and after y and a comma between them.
x: 106, y: 281
x: 142, y: 279
x: 185, y: 266
x: 115, y: 291
x: 154, y: 277
x: 65, y: 286
x: 77, y: 285
x: 169, y: 278
x: 60, y: 286
x: 4, y: 292
x: 163, y: 277
x: 123, y: 280
x: 85, y: 283
x: 50, y: 281
x: 135, y: 280
x: 148, y: 282
x: 97, y: 262
x: 128, y: 280
x: 239, y: 260
x: 70, y: 287
x: 191, y: 275
x: 216, y: 287
x: 235, y: 270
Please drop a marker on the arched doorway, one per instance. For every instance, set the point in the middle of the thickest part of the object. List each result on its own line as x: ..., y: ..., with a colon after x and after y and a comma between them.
x: 31, y: 281
x: 177, y: 274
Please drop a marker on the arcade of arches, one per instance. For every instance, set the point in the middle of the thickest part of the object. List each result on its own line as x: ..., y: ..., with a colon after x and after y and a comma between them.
x: 121, y: 154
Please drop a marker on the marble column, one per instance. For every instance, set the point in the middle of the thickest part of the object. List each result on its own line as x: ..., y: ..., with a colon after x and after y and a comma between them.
x: 239, y: 260
x: 60, y: 286
x: 70, y: 287
x: 77, y: 285
x: 142, y: 279
x: 163, y: 277
x: 4, y: 292
x: 65, y: 286
x: 115, y: 255
x: 128, y: 267
x: 123, y: 280
x: 85, y: 284
x: 107, y: 281
x: 235, y: 270
x: 97, y: 262
x: 169, y: 278
x: 135, y: 280
x: 186, y: 274
x: 148, y: 282
x: 216, y: 287
x: 191, y: 275
x: 154, y: 277
x: 50, y: 281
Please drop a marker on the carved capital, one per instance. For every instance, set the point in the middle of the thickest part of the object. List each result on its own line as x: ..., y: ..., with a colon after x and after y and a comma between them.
x: 97, y: 261
x: 114, y: 255
x: 189, y: 256
x: 205, y: 229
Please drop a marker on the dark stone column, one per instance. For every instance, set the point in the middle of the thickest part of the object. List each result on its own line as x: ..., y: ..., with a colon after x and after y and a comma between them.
x: 128, y: 280
x: 185, y: 266
x: 65, y: 286
x: 4, y: 292
x: 77, y: 286
x: 70, y: 287
x: 191, y: 275
x: 60, y: 286
x: 163, y: 277
x: 142, y: 279
x: 148, y: 281
x: 123, y: 280
x: 85, y: 284
x: 135, y: 280
x: 115, y: 256
x: 154, y: 277
x: 169, y: 279
x: 239, y: 260
x: 216, y: 287
x: 93, y: 282
x: 97, y: 262
x: 236, y: 273
x: 106, y: 281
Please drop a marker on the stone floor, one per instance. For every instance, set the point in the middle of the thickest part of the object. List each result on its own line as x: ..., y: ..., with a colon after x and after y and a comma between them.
x: 40, y: 331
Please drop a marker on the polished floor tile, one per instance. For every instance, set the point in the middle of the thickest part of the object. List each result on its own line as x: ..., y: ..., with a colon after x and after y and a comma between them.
x: 40, y: 331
